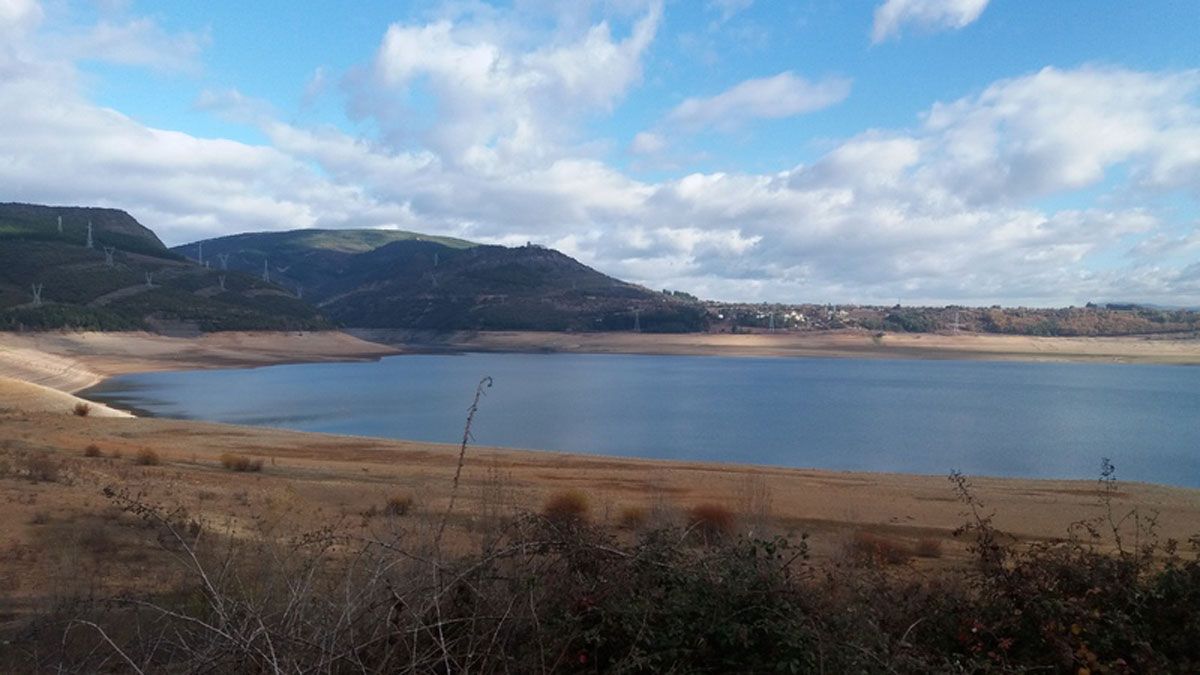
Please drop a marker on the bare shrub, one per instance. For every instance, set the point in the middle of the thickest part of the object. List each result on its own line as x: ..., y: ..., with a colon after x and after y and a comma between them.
x: 867, y: 548
x: 241, y: 463
x: 82, y: 409
x: 39, y: 518
x: 577, y: 599
x: 566, y: 506
x: 41, y: 468
x: 92, y: 450
x: 755, y: 502
x: 711, y: 521
x: 98, y: 541
x: 633, y: 517
x: 398, y: 505
x: 147, y: 457
x: 497, y: 499
x: 928, y: 547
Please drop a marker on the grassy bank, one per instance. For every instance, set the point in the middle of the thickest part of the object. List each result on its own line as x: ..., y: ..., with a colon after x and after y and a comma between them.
x: 557, y: 590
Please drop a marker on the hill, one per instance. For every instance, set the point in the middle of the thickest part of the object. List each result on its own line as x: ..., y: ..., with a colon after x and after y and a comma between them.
x: 392, y: 279
x: 127, y: 279
x: 69, y: 225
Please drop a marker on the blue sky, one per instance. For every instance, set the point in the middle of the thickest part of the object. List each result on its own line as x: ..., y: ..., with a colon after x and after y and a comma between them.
x: 939, y: 151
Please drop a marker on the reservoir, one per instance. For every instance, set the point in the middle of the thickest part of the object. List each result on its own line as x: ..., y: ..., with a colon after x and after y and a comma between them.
x: 1036, y: 420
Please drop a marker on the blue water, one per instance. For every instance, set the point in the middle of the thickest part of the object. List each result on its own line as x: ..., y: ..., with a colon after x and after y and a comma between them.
x: 1003, y: 419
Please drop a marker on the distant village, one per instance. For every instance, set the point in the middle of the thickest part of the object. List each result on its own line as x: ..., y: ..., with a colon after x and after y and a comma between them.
x: 1089, y: 320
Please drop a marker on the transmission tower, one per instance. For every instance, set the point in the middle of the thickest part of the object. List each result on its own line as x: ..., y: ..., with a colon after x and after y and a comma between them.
x: 89, y: 238
x: 954, y: 327
x: 266, y: 272
x: 108, y: 255
x: 637, y: 320
x: 221, y: 281
x: 200, y: 252
x: 37, y: 294
x: 149, y: 279
x: 224, y: 258
x: 60, y: 224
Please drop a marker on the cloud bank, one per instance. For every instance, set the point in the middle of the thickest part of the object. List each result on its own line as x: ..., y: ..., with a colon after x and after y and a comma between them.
x: 990, y: 197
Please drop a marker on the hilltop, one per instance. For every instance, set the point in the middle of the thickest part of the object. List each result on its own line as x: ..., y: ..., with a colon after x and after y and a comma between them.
x: 394, y: 279
x: 126, y: 280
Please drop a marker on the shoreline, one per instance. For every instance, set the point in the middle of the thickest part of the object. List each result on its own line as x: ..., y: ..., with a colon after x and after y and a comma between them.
x: 340, y: 476
x: 73, y: 361
x: 68, y: 363
x: 1159, y: 350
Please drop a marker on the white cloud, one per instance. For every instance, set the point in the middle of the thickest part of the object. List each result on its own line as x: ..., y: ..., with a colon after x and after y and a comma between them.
x: 893, y: 15
x: 783, y: 95
x: 17, y: 16
x: 647, y: 143
x: 318, y: 84
x: 498, y: 103
x: 138, y: 41
x: 953, y: 209
x: 1061, y: 130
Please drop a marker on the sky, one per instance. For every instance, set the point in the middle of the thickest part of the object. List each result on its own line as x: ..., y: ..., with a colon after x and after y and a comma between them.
x: 850, y: 151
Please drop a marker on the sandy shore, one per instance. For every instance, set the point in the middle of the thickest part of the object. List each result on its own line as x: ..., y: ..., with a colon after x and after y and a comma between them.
x: 324, y: 478
x: 841, y: 344
x: 71, y: 362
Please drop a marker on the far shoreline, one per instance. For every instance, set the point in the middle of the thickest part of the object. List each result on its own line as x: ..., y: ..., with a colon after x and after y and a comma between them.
x: 72, y: 362
x: 849, y: 344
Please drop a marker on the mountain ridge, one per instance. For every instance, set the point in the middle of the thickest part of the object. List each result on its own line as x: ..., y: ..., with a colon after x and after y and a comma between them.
x: 126, y: 279
x: 419, y: 281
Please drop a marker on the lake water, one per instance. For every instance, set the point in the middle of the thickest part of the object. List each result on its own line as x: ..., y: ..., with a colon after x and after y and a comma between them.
x: 983, y: 418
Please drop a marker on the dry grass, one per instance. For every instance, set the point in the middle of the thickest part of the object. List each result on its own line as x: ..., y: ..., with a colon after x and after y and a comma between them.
x: 41, y: 469
x: 398, y: 505
x: 928, y: 547
x: 235, y: 462
x: 711, y: 521
x: 566, y: 506
x: 755, y: 503
x: 82, y: 409
x: 633, y: 517
x: 147, y: 457
x: 868, y: 548
x: 92, y: 450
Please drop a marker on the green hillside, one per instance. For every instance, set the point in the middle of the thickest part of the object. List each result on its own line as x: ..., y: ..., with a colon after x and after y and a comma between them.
x: 388, y: 279
x: 144, y: 286
x: 111, y: 227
